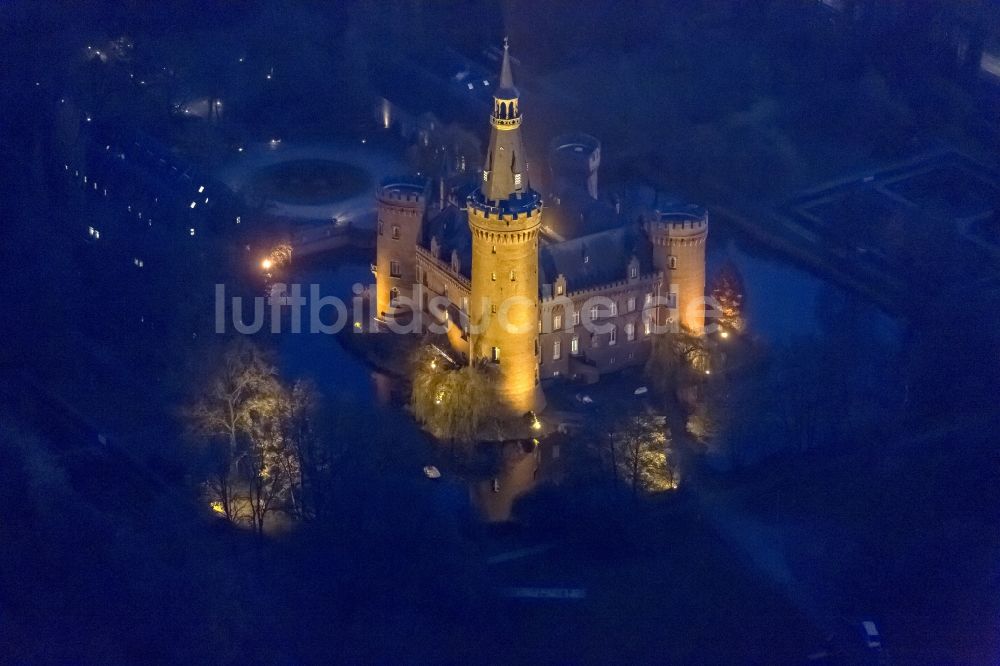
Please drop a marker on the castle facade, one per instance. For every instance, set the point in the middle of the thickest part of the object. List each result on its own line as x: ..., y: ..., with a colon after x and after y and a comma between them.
x: 538, y: 302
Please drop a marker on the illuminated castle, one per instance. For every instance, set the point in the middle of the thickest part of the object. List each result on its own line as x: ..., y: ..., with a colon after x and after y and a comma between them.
x: 519, y: 293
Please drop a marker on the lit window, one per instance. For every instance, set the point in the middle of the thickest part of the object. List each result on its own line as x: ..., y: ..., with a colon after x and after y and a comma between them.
x: 556, y: 350
x: 647, y: 326
x: 633, y: 271
x: 630, y: 332
x: 465, y: 303
x: 517, y: 180
x: 395, y: 232
x: 486, y: 175
x: 631, y: 304
x: 193, y: 204
x: 191, y: 231
x: 394, y: 269
x: 495, y: 354
x: 559, y: 290
x: 557, y: 322
x: 574, y: 345
x: 576, y: 317
x: 649, y: 299
x: 614, y: 308
x: 595, y: 312
x: 613, y: 337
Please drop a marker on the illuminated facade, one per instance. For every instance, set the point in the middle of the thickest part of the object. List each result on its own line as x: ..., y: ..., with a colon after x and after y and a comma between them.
x: 525, y: 297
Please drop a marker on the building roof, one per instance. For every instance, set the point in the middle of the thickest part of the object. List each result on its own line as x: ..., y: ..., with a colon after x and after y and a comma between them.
x: 597, y: 259
x: 451, y: 229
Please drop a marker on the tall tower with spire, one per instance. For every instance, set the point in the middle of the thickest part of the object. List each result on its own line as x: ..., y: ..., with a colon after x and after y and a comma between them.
x: 504, y: 216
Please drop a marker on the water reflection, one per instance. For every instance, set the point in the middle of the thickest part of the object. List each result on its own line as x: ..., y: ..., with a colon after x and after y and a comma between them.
x: 515, y: 472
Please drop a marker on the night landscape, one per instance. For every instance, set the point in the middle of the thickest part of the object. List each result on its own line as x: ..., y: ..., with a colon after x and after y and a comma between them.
x: 494, y: 331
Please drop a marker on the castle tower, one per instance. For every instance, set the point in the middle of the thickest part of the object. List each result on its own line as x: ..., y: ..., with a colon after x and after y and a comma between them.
x: 678, y: 240
x: 574, y: 160
x: 504, y: 217
x: 401, y: 205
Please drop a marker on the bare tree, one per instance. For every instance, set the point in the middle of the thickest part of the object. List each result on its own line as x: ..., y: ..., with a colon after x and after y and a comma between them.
x: 222, y: 415
x: 636, y: 451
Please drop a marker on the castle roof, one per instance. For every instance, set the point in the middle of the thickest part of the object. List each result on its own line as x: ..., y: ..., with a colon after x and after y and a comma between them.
x: 597, y: 259
x: 451, y: 229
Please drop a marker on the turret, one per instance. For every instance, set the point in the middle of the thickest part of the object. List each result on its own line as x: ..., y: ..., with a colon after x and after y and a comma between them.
x: 401, y: 207
x: 678, y: 239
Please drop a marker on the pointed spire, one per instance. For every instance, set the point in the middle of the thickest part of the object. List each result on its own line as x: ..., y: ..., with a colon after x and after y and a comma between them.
x: 506, y: 79
x: 505, y: 173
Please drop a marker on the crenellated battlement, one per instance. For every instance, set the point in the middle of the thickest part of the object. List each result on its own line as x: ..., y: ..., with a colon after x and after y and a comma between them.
x: 402, y: 192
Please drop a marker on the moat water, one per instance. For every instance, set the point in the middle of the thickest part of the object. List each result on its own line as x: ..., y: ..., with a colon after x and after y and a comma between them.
x: 782, y: 303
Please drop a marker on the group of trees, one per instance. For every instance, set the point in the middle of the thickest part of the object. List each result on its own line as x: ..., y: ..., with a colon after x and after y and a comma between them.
x: 262, y: 447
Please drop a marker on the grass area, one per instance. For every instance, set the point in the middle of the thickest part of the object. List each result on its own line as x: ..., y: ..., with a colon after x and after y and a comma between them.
x: 905, y: 534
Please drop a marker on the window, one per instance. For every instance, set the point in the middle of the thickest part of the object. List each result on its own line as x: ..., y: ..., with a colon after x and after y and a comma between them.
x: 494, y: 249
x: 633, y: 271
x: 574, y: 345
x: 395, y: 232
x: 673, y: 262
x: 614, y: 308
x: 557, y: 322
x: 493, y: 308
x: 517, y: 180
x: 486, y: 175
x: 556, y: 350
x: 393, y: 295
x: 394, y: 269
x: 381, y: 227
x: 513, y: 276
x: 613, y: 336
x: 629, y: 332
x: 647, y: 326
x: 594, y: 312
x: 649, y: 299
x: 465, y: 303
x: 630, y: 305
x: 495, y: 354
x: 559, y: 290
x: 576, y: 317
x: 493, y: 276
x: 586, y: 258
